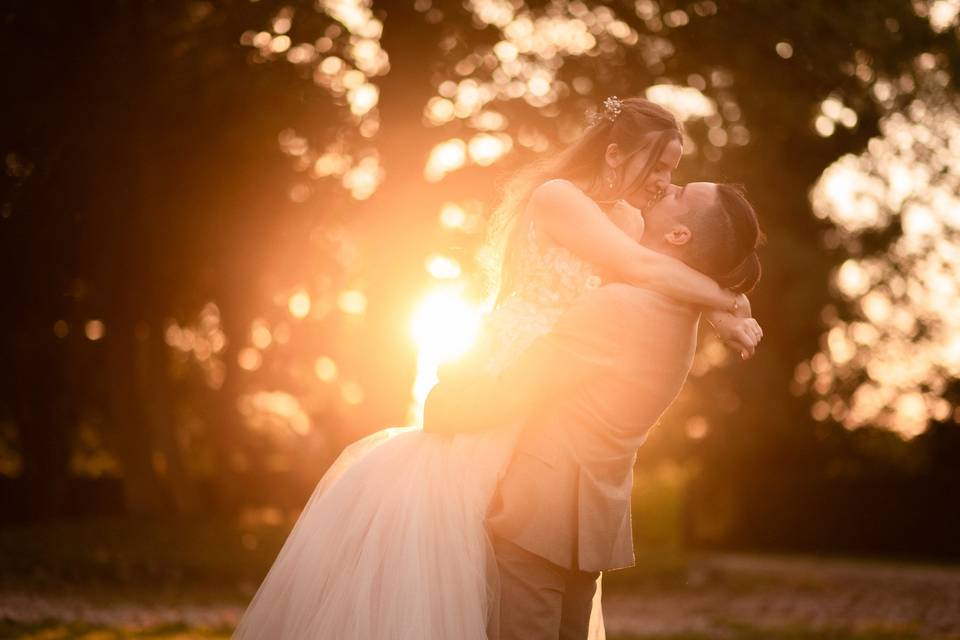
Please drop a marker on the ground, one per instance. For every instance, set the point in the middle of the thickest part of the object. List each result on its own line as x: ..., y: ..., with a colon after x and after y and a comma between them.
x: 192, y: 580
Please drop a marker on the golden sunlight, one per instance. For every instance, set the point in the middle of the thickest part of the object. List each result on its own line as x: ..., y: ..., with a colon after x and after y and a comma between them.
x: 444, y: 327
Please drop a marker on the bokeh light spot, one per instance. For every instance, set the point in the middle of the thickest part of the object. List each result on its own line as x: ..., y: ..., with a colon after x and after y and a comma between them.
x: 325, y: 369
x: 353, y: 302
x: 453, y: 216
x: 249, y: 359
x: 443, y: 267
x: 61, y: 328
x: 94, y: 329
x: 299, y: 304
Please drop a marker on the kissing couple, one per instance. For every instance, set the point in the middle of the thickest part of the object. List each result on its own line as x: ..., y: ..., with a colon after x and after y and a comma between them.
x: 497, y: 517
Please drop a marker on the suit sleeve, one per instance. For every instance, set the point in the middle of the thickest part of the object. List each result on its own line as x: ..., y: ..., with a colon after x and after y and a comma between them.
x: 583, y: 344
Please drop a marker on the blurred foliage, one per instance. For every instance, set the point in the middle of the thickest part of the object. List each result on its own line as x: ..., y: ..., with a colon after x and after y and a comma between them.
x: 214, y: 236
x: 175, y: 561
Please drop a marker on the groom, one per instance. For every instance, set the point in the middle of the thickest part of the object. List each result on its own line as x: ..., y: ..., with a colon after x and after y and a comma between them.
x: 590, y: 391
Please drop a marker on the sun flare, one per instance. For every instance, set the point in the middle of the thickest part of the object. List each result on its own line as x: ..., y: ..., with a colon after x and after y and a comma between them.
x: 444, y: 326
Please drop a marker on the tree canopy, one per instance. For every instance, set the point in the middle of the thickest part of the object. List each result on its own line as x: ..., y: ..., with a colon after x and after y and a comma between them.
x: 216, y: 216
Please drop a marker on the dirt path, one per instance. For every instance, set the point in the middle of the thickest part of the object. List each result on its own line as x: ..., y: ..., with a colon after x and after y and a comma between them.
x: 810, y: 594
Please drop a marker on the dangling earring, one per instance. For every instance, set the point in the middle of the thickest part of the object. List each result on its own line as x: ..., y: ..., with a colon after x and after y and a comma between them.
x: 611, y: 178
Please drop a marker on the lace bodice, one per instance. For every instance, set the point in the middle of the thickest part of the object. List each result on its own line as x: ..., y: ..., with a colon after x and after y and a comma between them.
x: 548, y: 280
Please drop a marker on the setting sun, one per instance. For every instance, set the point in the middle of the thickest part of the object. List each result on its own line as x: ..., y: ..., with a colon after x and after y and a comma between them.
x: 445, y: 325
x: 306, y: 310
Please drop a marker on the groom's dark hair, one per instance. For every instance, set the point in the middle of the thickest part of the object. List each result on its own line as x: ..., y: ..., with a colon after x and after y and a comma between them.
x: 725, y: 238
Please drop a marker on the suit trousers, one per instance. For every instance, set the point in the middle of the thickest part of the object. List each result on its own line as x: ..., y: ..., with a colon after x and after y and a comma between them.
x: 540, y: 600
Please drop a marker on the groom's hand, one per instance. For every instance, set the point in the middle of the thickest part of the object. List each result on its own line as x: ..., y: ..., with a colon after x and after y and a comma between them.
x: 451, y: 406
x: 583, y: 344
x: 437, y: 407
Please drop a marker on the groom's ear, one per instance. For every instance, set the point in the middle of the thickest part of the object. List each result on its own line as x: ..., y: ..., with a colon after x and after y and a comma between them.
x: 679, y: 235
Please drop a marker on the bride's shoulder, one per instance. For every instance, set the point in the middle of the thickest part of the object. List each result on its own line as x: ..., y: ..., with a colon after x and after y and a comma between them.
x: 556, y: 190
x: 558, y: 200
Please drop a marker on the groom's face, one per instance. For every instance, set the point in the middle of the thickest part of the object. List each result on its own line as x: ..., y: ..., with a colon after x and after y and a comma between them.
x: 668, y: 221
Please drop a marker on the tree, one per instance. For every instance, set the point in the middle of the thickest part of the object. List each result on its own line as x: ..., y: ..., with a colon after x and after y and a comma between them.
x: 244, y: 194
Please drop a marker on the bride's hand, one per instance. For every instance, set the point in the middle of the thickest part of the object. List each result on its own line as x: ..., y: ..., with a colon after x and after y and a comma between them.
x: 743, y: 309
x: 742, y: 334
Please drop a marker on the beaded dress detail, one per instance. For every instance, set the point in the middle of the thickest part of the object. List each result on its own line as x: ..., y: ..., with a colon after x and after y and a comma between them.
x: 549, y: 278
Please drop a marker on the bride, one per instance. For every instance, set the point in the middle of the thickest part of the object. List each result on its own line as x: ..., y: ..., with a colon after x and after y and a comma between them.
x: 391, y: 544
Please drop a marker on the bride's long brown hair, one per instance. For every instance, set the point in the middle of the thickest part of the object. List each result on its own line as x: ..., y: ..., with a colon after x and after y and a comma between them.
x: 639, y: 125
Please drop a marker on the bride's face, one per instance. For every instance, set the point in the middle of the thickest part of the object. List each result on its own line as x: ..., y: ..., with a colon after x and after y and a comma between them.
x: 642, y: 195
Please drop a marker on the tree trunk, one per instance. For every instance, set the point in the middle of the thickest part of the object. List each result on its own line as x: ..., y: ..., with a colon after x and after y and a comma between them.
x: 44, y: 413
x: 131, y: 435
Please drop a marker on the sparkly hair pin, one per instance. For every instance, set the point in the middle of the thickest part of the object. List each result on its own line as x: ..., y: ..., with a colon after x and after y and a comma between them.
x: 612, y: 107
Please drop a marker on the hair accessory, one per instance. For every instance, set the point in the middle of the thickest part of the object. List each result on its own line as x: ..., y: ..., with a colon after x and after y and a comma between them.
x: 612, y: 107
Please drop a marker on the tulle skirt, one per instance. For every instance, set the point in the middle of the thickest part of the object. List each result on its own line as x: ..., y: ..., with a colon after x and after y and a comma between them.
x: 392, y: 546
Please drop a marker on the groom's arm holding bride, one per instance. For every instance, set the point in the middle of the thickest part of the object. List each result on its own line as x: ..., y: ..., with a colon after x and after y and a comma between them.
x: 580, y: 346
x: 589, y: 340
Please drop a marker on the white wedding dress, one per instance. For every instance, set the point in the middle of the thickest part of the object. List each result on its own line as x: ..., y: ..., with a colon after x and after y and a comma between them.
x: 392, y: 544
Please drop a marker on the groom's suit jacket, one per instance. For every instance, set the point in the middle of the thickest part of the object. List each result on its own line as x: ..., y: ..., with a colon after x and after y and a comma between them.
x: 591, y: 388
